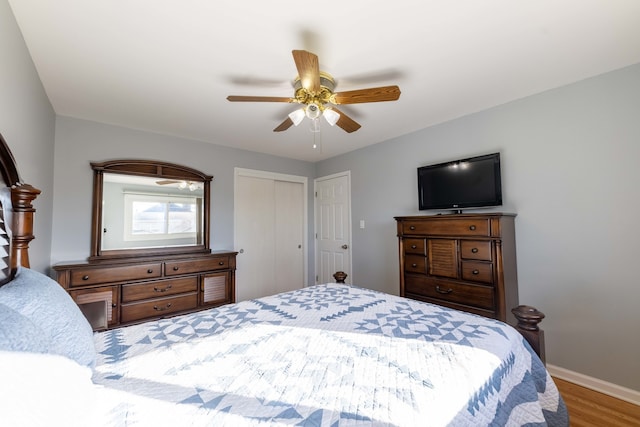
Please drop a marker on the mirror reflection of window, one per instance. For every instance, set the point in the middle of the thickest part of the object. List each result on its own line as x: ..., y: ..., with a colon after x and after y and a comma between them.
x: 158, y: 215
x: 144, y: 212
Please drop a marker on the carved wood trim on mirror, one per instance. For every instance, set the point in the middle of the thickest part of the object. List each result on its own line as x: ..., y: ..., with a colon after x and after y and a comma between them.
x: 167, y: 181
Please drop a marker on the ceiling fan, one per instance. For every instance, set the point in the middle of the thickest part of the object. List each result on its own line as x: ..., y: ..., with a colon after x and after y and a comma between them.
x: 314, y: 90
x: 192, y: 186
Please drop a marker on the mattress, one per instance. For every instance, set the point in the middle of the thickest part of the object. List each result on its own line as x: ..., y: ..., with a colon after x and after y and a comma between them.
x: 325, y: 355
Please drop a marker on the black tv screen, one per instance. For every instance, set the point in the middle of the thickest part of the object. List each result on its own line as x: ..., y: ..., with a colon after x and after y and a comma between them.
x: 464, y: 183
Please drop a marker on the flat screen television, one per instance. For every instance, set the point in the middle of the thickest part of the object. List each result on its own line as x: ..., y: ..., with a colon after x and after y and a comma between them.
x: 466, y: 183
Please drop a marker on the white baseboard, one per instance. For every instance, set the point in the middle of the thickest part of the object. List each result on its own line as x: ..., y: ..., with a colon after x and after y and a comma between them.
x: 613, y: 390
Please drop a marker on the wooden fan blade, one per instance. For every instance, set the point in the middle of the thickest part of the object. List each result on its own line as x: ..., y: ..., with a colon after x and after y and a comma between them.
x: 308, y: 70
x: 345, y: 122
x: 284, y: 125
x: 374, y: 94
x: 234, y: 98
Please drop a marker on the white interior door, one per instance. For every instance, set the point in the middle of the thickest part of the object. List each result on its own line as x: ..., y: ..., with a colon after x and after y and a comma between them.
x: 333, y: 226
x: 270, y: 223
x: 289, y: 232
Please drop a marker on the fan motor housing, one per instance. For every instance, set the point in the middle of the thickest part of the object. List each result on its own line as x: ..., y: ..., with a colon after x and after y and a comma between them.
x: 327, y: 84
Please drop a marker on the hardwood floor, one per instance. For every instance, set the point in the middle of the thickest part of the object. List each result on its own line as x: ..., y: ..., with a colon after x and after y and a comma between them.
x: 588, y: 408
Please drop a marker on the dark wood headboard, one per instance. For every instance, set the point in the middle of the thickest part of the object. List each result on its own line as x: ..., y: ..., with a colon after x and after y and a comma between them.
x: 16, y: 216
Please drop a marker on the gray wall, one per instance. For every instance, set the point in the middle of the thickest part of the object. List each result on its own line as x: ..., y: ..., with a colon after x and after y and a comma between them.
x: 570, y: 171
x: 79, y: 142
x: 27, y: 123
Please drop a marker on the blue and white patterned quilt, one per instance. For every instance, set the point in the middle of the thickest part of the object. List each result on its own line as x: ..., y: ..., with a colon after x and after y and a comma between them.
x: 326, y: 355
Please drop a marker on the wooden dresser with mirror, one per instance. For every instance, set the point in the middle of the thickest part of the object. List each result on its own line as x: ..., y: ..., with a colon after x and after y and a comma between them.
x: 150, y: 251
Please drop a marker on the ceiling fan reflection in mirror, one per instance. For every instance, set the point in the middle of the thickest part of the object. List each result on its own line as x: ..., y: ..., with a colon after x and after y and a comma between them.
x: 192, y: 186
x: 314, y: 90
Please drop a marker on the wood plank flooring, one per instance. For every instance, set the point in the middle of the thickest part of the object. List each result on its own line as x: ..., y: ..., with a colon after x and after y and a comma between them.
x: 588, y: 408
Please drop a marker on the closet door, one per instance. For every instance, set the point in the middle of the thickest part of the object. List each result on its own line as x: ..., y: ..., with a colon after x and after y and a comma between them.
x: 288, y: 244
x: 269, y: 233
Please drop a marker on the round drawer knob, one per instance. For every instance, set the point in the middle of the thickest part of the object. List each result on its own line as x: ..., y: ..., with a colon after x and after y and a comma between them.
x: 474, y: 250
x: 412, y: 227
x: 413, y: 246
x: 176, y: 268
x: 472, y: 227
x: 475, y: 272
x: 85, y: 277
x: 149, y: 271
x: 414, y: 265
x: 221, y: 263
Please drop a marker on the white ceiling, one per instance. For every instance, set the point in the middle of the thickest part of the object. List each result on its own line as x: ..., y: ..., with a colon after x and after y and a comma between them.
x: 167, y: 66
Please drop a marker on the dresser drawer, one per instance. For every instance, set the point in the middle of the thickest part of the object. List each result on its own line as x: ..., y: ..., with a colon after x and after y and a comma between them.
x: 473, y: 295
x: 415, y: 264
x: 414, y: 246
x: 477, y: 271
x: 160, y: 288
x: 173, y: 268
x: 110, y: 274
x: 448, y: 227
x: 158, y: 307
x: 476, y: 249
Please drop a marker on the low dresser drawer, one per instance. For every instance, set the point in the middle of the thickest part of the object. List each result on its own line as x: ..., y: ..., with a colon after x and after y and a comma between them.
x: 474, y: 295
x: 414, y: 246
x: 173, y: 268
x: 158, y: 307
x: 91, y: 276
x: 447, y: 227
x: 477, y: 271
x: 476, y: 249
x: 415, y: 264
x: 160, y: 288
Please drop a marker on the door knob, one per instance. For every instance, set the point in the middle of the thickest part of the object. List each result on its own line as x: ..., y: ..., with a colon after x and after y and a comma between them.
x: 345, y: 246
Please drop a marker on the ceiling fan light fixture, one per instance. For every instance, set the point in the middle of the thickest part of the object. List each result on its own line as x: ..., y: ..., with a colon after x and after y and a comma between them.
x: 297, y: 116
x: 331, y: 116
x: 313, y: 111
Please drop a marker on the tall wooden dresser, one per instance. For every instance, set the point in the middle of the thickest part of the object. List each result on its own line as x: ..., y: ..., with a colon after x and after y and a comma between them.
x: 126, y: 291
x: 462, y: 261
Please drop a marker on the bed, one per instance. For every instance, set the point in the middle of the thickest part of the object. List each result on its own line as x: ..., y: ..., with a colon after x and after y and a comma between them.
x: 325, y: 355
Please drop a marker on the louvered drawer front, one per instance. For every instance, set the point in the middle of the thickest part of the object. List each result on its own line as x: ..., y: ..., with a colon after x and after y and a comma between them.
x: 475, y: 295
x: 414, y: 246
x: 477, y: 271
x: 442, y: 258
x: 158, y: 307
x: 415, y: 264
x: 160, y: 288
x: 89, y: 297
x: 448, y: 227
x: 214, y: 289
x: 475, y: 249
x: 111, y: 274
x: 184, y: 267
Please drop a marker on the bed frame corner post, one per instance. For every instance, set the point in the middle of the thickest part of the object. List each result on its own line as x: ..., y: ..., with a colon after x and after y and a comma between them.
x: 528, y: 319
x: 22, y: 195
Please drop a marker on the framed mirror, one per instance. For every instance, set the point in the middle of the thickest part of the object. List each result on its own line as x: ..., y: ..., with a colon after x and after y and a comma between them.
x: 148, y: 208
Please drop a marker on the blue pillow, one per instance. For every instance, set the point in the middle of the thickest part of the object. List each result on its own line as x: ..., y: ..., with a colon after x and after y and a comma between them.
x: 43, y: 301
x: 18, y: 333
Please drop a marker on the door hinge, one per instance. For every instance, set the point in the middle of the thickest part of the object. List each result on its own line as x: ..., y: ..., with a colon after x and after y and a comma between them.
x: 316, y: 278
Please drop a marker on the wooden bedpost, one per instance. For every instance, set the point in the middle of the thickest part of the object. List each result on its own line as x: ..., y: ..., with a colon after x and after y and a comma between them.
x: 340, y: 276
x: 22, y: 223
x: 528, y: 318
